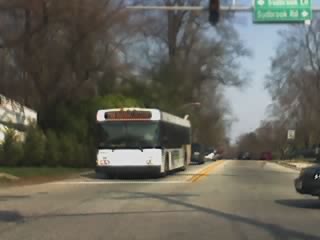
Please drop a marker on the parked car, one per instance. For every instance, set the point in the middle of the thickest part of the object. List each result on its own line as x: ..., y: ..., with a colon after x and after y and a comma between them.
x: 198, y: 153
x: 308, y: 181
x: 266, y: 156
x: 209, y: 156
x: 218, y: 154
x: 244, y: 156
x: 209, y: 153
x: 209, y: 150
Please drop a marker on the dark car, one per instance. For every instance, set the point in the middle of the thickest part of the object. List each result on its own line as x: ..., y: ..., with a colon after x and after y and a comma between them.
x: 244, y: 156
x: 308, y: 181
x: 208, y: 150
x: 266, y: 156
x: 198, y: 153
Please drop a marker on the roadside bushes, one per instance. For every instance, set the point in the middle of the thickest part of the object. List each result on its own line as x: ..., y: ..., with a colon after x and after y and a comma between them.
x: 53, y: 154
x: 40, y: 149
x: 11, y: 151
x: 34, y: 148
x: 75, y: 154
x: 65, y: 136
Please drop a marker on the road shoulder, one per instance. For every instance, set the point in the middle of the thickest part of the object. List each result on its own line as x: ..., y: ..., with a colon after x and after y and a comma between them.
x: 10, y: 177
x: 295, y: 165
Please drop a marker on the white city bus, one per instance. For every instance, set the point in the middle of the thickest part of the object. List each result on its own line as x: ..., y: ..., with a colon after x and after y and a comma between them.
x: 141, y: 140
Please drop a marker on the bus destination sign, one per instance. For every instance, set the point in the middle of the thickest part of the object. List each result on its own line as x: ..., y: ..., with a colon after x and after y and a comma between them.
x: 128, y: 115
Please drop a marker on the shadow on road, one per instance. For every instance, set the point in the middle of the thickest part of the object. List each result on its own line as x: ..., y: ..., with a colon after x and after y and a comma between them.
x: 278, y: 231
x: 110, y: 213
x: 96, y: 176
x: 90, y: 175
x: 300, y: 203
x: 200, y: 164
x: 10, y: 216
x: 180, y: 196
x: 4, y: 198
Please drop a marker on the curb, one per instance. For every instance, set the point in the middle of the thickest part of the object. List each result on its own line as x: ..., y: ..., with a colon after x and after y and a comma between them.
x: 5, y: 178
x: 9, y: 177
x: 287, y: 165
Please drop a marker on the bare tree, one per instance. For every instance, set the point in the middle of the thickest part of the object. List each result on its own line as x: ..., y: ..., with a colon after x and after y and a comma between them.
x: 294, y: 81
x: 64, y: 49
x: 56, y: 51
x: 186, y: 60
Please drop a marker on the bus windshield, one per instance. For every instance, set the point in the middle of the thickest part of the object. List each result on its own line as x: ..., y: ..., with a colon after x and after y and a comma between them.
x: 128, y: 134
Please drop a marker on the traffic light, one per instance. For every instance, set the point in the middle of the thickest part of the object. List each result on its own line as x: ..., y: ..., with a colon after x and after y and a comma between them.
x: 214, y: 11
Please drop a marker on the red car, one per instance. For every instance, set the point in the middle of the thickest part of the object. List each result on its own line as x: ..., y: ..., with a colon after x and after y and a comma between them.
x: 266, y: 156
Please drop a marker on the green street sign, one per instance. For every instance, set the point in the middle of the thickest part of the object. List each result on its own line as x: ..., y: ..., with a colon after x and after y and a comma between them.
x: 282, y: 10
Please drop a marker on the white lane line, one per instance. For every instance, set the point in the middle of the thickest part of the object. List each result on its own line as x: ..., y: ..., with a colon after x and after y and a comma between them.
x: 114, y: 182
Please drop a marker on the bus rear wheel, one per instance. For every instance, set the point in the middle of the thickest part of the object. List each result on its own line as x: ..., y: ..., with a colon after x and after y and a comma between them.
x: 100, y: 175
x: 166, y: 168
x: 185, y: 162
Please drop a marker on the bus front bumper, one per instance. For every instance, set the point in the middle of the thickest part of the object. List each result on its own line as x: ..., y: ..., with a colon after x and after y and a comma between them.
x: 125, y: 170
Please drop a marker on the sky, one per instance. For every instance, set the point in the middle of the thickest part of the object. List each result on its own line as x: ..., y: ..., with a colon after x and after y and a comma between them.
x: 249, y: 104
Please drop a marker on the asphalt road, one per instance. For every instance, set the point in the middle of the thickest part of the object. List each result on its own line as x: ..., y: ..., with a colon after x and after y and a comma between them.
x: 228, y: 200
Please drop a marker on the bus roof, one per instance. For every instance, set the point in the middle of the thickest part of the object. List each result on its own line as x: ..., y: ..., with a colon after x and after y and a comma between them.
x: 140, y: 114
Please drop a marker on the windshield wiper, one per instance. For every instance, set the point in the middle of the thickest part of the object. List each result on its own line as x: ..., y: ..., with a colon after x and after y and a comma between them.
x: 141, y: 148
x: 136, y: 146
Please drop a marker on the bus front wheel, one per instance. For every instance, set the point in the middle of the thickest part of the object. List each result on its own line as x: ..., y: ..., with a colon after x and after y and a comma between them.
x: 100, y: 175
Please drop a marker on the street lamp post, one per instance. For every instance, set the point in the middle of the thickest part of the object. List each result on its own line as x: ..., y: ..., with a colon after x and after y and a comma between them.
x: 190, y: 104
x: 187, y: 105
x: 195, y: 104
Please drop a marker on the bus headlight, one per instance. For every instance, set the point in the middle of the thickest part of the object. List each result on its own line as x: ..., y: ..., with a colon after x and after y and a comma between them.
x: 103, y: 162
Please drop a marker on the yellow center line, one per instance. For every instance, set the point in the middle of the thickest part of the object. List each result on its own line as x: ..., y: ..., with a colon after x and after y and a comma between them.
x: 205, y: 172
x: 202, y: 171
